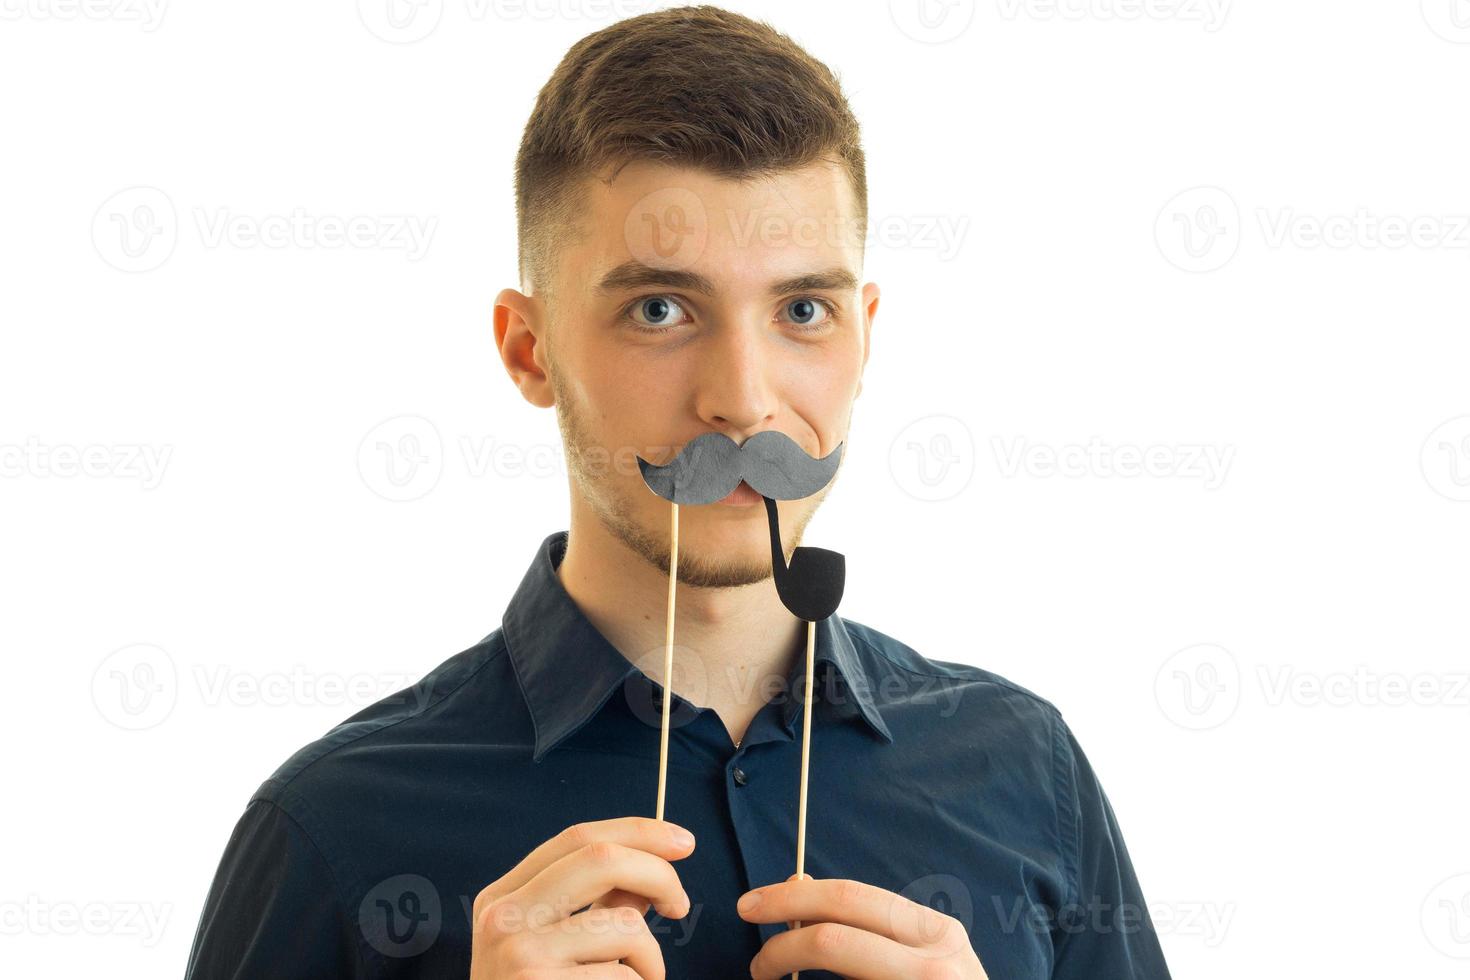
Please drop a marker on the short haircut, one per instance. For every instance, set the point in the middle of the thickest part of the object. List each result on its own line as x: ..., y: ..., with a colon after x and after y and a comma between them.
x: 692, y: 86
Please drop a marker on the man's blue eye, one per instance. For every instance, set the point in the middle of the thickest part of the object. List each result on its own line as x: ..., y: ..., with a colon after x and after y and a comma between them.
x: 656, y: 309
x: 807, y: 312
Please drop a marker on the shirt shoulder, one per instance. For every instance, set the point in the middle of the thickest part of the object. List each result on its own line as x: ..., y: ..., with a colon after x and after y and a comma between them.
x: 891, y: 657
x: 463, y: 691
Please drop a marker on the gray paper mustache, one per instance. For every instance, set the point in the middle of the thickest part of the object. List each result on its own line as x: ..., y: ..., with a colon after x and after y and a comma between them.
x: 711, y: 465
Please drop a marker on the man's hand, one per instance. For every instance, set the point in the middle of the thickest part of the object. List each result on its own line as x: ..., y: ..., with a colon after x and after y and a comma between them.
x: 857, y: 931
x: 611, y: 870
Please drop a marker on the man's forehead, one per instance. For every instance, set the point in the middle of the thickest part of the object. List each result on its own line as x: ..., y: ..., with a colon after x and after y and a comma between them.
x: 676, y: 227
x: 634, y: 274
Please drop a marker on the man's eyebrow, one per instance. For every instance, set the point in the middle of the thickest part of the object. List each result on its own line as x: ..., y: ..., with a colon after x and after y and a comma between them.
x: 635, y: 275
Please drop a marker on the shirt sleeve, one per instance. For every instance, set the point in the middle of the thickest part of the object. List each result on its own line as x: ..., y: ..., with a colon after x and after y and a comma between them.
x: 273, y: 910
x: 1104, y: 932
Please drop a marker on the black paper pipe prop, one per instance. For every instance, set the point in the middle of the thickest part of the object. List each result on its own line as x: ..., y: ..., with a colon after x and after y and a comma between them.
x: 705, y: 471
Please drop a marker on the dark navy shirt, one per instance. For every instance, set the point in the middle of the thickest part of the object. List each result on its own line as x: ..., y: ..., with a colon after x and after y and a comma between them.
x: 362, y: 855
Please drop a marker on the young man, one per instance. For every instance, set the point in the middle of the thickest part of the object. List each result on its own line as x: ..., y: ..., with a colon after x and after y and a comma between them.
x: 691, y: 203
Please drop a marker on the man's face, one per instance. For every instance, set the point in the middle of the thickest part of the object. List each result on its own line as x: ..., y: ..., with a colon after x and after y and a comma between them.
x: 677, y: 311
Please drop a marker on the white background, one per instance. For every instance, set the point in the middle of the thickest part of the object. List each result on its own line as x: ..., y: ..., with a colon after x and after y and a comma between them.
x: 1234, y: 232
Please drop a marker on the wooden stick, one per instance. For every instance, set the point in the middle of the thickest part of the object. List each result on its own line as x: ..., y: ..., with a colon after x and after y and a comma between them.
x: 806, y: 747
x: 663, y: 738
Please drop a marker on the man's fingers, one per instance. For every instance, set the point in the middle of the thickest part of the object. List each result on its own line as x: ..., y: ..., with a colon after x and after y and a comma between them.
x: 602, y: 937
x: 839, y: 949
x: 644, y: 833
x: 613, y: 935
x: 852, y: 903
x: 588, y: 873
x: 617, y: 897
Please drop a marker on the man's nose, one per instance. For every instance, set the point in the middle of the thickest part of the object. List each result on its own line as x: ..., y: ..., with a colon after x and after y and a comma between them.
x: 736, y: 382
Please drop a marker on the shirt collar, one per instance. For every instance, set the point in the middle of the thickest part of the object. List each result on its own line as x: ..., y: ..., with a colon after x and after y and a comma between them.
x: 568, y: 670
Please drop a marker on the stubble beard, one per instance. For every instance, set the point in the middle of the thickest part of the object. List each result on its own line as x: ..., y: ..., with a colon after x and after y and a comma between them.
x: 599, y: 488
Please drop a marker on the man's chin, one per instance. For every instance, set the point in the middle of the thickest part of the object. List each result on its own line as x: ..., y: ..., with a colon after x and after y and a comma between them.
x: 715, y: 571
x: 715, y: 554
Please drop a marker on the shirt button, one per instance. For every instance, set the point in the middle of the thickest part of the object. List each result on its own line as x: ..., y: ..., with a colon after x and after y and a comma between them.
x: 739, y: 774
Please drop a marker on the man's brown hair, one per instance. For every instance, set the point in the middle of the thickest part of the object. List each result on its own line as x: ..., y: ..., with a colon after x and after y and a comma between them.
x: 694, y: 86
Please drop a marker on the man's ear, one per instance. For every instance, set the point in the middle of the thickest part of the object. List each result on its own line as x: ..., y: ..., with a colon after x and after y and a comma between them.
x: 520, y: 331
x: 870, y: 312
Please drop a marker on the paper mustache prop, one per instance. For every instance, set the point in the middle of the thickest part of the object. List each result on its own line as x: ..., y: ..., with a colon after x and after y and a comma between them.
x: 705, y: 471
x: 709, y: 467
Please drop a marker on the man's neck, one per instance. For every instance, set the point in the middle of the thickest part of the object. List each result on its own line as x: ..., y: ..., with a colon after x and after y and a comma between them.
x: 731, y: 646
